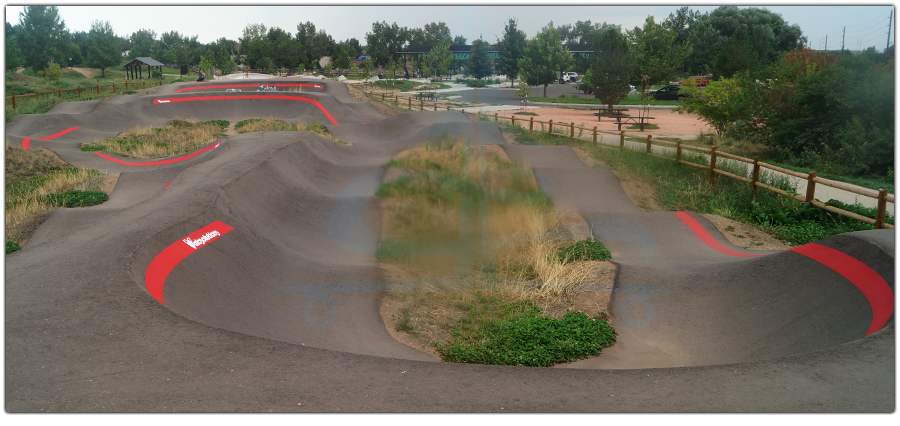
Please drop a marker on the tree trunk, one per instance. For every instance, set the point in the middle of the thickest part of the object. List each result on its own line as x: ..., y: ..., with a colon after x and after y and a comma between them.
x: 545, y: 90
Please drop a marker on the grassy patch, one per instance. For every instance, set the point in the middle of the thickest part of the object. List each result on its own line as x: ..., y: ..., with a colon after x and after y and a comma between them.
x: 178, y: 136
x: 590, y: 249
x: 276, y: 124
x: 38, y: 182
x: 428, y: 196
x: 12, y: 246
x: 515, y: 333
x: 408, y: 86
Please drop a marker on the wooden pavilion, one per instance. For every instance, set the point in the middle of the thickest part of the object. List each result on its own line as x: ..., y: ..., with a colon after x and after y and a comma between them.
x: 134, y: 68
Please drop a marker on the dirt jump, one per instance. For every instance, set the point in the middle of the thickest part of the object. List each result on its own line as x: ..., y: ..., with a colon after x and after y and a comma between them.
x: 243, y: 277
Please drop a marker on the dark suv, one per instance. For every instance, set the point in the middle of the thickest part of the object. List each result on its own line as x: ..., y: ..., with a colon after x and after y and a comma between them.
x: 669, y: 93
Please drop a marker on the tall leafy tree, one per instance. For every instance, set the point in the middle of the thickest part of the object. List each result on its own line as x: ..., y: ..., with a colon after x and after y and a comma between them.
x: 341, y: 56
x: 384, y: 40
x: 14, y: 58
x: 480, y: 64
x: 544, y: 56
x: 42, y: 32
x: 510, y: 49
x: 105, y: 51
x: 612, y: 67
x: 657, y: 52
x: 437, y: 33
x: 459, y: 41
x: 315, y: 44
x: 439, y: 59
x: 143, y: 43
x: 737, y: 54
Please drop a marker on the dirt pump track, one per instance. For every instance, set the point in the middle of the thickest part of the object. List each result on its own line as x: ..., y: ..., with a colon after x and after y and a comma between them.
x: 267, y: 295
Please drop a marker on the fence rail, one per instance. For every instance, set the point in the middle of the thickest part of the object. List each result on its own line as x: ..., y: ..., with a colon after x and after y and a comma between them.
x: 881, y: 196
x: 16, y: 100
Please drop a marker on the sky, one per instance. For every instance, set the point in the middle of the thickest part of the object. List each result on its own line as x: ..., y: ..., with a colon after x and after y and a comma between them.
x: 865, y: 25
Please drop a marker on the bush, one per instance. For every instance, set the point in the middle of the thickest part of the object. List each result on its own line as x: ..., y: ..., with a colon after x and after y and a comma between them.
x: 535, y: 341
x: 589, y: 249
x: 12, y: 246
x: 77, y: 198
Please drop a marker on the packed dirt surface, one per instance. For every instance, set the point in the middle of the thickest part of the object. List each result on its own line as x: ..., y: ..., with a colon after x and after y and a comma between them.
x: 87, y: 72
x: 669, y: 121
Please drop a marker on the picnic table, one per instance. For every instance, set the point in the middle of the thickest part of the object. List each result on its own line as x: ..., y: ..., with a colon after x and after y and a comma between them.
x: 609, y: 112
x: 641, y: 121
x: 425, y: 95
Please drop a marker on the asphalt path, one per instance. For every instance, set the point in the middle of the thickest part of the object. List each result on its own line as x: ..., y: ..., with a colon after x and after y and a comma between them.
x: 241, y: 277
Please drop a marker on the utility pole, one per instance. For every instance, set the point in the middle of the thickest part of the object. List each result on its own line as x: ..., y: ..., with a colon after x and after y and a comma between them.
x: 890, y: 19
x: 842, y: 40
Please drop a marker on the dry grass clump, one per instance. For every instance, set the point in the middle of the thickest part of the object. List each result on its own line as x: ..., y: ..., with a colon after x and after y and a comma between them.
x: 179, y: 136
x: 32, y: 176
x: 276, y: 124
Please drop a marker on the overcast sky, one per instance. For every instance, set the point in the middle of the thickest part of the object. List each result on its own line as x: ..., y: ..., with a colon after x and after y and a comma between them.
x: 866, y: 25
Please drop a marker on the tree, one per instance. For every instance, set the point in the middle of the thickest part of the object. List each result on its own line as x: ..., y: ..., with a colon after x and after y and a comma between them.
x: 480, y: 64
x: 314, y: 44
x: 52, y: 73
x: 143, y: 43
x: 40, y: 35
x: 720, y: 103
x: 341, y: 57
x: 208, y: 66
x: 104, y: 51
x: 657, y: 52
x: 612, y: 68
x: 736, y: 55
x: 14, y: 58
x: 459, y: 41
x: 384, y: 41
x: 437, y: 33
x: 544, y: 56
x: 438, y: 60
x: 510, y: 49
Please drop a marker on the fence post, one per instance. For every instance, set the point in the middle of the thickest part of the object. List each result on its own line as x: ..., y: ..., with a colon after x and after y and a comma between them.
x: 531, y: 124
x: 59, y: 93
x: 810, y: 186
x: 79, y: 90
x: 648, y: 143
x: 678, y: 151
x: 572, y: 130
x: 595, y: 135
x: 513, y: 118
x: 409, y: 103
x: 550, y: 130
x: 14, y: 100
x: 882, y: 208
x: 712, y: 164
x: 621, y: 139
x: 755, y: 178
x: 114, y: 87
x: 435, y: 107
x: 98, y: 87
x: 382, y: 97
x: 422, y: 104
x: 496, y: 117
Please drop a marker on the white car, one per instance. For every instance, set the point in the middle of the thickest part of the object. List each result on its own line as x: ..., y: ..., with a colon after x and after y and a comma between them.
x: 568, y: 77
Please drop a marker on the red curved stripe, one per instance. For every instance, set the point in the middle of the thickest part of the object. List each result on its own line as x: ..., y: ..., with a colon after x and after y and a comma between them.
x: 163, y: 264
x: 167, y: 185
x: 235, y: 86
x: 232, y: 97
x: 160, y: 162
x: 26, y: 143
x: 71, y: 129
x: 869, y: 282
x: 708, y: 239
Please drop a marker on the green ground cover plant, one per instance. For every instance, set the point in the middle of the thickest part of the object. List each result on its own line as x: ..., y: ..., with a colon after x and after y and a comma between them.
x: 495, y: 332
x: 278, y: 125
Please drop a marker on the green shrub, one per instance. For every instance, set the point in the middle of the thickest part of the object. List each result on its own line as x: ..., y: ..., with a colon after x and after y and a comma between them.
x: 589, y: 249
x: 77, y: 198
x: 12, y: 246
x: 534, y: 340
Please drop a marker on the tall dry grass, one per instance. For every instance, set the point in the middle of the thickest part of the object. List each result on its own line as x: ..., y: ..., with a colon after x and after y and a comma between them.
x: 179, y: 136
x: 277, y: 124
x: 26, y: 196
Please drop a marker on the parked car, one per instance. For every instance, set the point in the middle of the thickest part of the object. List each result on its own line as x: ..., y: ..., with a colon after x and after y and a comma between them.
x: 671, y: 92
x: 702, y: 80
x: 568, y: 77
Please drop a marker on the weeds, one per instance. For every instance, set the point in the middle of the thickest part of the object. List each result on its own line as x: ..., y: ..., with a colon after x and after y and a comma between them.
x: 178, y: 136
x: 276, y: 124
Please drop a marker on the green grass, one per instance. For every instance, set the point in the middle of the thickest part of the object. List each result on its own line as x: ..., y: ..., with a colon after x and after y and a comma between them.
x: 405, y: 85
x: 12, y: 246
x: 589, y: 249
x: 77, y: 198
x: 515, y: 333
